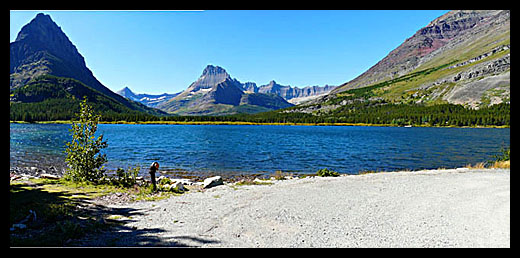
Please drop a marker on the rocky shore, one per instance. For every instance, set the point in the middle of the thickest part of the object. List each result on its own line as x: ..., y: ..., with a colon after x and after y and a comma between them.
x: 27, y: 172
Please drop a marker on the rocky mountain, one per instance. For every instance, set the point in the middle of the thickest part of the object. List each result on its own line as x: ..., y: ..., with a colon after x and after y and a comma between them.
x: 294, y: 95
x: 461, y: 57
x: 216, y: 87
x: 150, y: 100
x: 216, y: 93
x: 41, y: 48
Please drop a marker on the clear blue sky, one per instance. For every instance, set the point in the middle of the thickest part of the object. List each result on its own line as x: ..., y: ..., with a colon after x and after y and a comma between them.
x: 165, y: 51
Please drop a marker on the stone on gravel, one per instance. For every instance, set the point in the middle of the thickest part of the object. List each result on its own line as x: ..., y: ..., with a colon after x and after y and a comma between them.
x: 212, y: 182
x: 49, y: 176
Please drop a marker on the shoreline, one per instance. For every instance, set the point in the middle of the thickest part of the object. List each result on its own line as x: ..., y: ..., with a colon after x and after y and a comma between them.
x: 58, y: 171
x: 253, y: 123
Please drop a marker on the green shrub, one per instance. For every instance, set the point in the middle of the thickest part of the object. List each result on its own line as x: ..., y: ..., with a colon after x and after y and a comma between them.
x: 85, y: 163
x: 505, y: 154
x: 326, y: 172
x: 125, y: 178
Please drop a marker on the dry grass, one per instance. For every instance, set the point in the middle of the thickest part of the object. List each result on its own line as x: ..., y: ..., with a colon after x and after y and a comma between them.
x: 501, y: 164
x: 479, y: 165
x: 496, y: 164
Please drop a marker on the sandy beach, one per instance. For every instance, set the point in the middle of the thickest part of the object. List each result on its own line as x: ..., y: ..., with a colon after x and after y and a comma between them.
x: 431, y: 208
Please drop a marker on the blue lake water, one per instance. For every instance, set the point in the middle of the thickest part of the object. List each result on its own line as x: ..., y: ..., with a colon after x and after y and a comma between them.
x: 264, y: 149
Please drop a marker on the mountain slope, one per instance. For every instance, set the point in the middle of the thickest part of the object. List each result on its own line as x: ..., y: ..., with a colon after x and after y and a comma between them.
x: 465, y: 52
x: 41, y: 48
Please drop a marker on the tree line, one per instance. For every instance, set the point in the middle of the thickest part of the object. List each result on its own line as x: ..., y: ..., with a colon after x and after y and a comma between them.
x: 357, y: 112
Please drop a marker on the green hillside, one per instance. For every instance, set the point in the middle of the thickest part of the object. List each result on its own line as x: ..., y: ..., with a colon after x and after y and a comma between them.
x: 50, y: 98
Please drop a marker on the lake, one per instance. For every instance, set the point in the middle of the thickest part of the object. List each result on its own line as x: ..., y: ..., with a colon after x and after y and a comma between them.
x: 263, y: 149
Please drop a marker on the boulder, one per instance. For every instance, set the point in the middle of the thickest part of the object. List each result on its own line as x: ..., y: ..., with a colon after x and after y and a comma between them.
x: 212, y: 181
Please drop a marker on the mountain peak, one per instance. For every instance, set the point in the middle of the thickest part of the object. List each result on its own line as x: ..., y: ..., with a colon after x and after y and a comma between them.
x: 40, y: 26
x: 211, y: 76
x: 213, y: 70
x: 126, y: 92
x: 43, y: 34
x: 42, y: 16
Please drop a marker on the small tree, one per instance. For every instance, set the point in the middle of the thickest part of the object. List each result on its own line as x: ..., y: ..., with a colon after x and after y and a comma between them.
x: 83, y: 158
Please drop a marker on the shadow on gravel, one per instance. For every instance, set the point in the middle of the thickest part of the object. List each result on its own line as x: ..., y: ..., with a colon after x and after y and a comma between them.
x: 123, y: 235
x: 120, y: 234
x: 58, y: 218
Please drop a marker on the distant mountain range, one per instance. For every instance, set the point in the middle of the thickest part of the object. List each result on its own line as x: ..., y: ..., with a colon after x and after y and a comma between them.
x: 204, y: 97
x: 216, y: 93
x: 150, y: 100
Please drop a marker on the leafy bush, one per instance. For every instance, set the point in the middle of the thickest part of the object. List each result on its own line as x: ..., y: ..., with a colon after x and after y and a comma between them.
x: 505, y: 154
x: 85, y: 163
x: 126, y: 178
x: 326, y: 172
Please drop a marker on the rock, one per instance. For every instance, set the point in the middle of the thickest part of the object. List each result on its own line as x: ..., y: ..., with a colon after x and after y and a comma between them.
x: 181, y: 180
x: 49, y: 176
x: 177, y: 187
x: 212, y: 181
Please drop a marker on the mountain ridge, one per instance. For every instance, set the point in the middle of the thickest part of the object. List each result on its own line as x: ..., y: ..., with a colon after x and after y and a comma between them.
x: 425, y: 47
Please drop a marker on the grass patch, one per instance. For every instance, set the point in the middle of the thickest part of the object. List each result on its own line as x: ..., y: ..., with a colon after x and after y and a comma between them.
x: 326, y: 172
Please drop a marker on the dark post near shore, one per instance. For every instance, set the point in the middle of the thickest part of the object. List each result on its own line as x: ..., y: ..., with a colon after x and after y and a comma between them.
x: 153, y: 168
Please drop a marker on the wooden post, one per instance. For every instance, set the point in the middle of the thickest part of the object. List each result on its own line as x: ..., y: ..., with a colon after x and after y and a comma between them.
x: 153, y: 168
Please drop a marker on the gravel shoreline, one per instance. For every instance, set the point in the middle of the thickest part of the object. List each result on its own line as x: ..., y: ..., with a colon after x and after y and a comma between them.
x: 431, y: 208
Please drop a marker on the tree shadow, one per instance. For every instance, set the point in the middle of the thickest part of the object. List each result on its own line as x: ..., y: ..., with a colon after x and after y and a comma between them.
x: 69, y: 219
x: 120, y: 234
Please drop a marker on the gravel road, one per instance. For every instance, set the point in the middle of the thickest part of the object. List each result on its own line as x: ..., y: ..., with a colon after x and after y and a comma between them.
x: 434, y: 208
